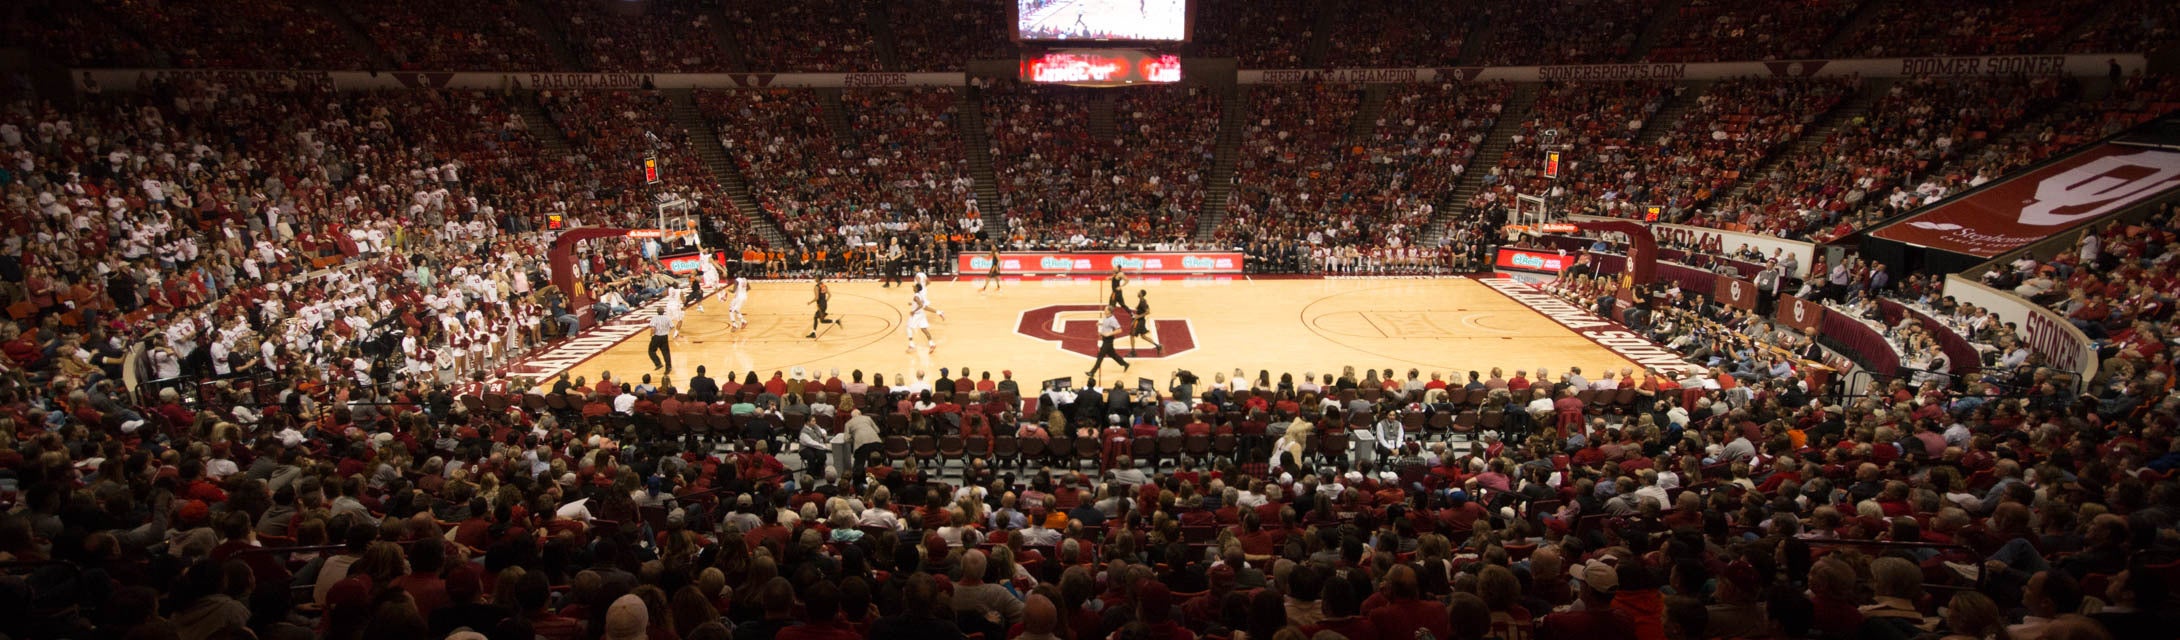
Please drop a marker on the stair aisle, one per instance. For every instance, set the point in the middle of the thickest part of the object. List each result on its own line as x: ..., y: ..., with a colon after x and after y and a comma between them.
x: 1233, y: 119
x: 1668, y: 117
x: 1667, y: 16
x: 1813, y: 139
x: 540, y: 124
x: 1487, y: 156
x: 714, y: 157
x: 974, y: 148
x: 354, y: 32
x: 537, y: 19
x: 1366, y: 113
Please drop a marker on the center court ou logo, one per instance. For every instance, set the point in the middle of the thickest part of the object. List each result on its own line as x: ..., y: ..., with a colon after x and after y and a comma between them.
x: 1078, y: 333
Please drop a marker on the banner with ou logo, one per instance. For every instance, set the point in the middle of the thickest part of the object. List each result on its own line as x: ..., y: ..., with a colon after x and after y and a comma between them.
x: 1735, y: 292
x: 2062, y: 195
x: 1801, y: 314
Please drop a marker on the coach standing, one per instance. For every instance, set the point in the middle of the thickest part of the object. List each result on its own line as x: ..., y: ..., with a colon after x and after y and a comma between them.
x: 661, y: 351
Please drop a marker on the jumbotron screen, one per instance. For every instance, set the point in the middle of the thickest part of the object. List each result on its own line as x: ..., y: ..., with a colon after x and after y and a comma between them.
x: 1094, y: 20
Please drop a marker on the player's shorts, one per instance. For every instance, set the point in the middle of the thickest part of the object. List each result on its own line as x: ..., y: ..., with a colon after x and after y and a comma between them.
x: 917, y: 321
x: 1141, y: 328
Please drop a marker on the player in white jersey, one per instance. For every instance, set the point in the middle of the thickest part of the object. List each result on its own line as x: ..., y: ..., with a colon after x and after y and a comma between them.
x: 735, y: 319
x: 710, y: 271
x: 923, y: 290
x: 917, y: 306
x: 674, y: 312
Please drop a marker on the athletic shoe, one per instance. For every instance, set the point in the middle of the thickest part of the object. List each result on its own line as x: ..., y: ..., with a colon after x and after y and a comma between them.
x: 813, y: 335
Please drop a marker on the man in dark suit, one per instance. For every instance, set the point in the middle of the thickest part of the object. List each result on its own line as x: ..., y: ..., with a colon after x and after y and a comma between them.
x: 1089, y: 404
x: 702, y: 387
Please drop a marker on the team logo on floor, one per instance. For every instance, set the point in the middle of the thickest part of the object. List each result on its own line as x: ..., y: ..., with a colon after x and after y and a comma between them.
x: 1075, y: 328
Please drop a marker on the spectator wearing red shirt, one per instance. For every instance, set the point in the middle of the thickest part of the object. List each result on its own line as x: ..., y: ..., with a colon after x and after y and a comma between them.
x: 423, y: 583
x: 1405, y: 611
x: 1460, y: 513
x: 1256, y: 542
x: 1596, y: 620
x: 1196, y: 426
x: 1343, y: 612
x: 821, y: 617
x: 1519, y: 382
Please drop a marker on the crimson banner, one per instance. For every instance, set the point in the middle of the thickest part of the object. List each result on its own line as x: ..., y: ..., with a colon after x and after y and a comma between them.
x: 1041, y: 263
x: 2076, y: 190
x: 1806, y: 315
x: 1740, y: 294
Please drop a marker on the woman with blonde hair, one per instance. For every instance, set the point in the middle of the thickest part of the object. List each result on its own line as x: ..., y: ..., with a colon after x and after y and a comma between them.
x: 1973, y: 616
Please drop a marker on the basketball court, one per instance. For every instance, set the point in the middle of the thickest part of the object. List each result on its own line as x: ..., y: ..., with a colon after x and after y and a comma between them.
x: 1044, y: 329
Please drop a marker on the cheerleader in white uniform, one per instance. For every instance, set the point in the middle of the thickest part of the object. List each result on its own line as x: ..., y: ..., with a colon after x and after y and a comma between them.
x: 735, y: 318
x: 917, y: 305
x: 450, y: 359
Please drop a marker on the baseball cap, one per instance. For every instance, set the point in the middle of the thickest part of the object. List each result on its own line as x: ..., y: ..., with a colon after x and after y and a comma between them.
x: 1599, y: 574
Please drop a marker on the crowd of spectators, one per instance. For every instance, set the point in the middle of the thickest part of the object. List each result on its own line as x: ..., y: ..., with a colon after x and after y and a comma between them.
x: 1870, y: 168
x: 1398, y: 34
x: 839, y: 36
x: 1290, y: 179
x: 352, y: 266
x: 2068, y: 126
x: 2114, y: 284
x: 613, y: 131
x: 76, y: 33
x: 1593, y: 125
x: 431, y: 35
x: 898, y: 177
x: 670, y: 36
x: 276, y: 235
x: 1574, y: 32
x: 1261, y: 34
x: 1731, y: 128
x: 944, y: 35
x: 1061, y: 185
x: 251, y: 34
x: 819, y: 35
x: 1965, y: 27
x: 1733, y: 500
x: 1724, y: 30
x: 1358, y: 203
x: 2133, y: 25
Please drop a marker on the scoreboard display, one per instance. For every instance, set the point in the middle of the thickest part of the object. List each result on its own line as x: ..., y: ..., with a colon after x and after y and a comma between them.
x: 1101, y: 20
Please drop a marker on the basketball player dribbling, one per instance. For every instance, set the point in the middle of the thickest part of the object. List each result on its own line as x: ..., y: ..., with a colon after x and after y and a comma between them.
x: 820, y: 295
x: 923, y: 290
x: 917, y: 321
